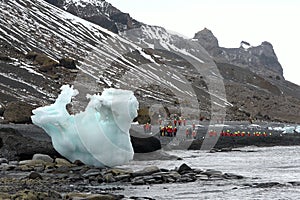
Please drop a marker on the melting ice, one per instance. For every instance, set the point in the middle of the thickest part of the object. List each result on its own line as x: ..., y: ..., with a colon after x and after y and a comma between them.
x: 98, y: 136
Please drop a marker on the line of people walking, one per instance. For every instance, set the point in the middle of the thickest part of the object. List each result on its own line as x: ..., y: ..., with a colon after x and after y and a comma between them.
x: 177, y: 120
x: 190, y: 133
x: 167, y: 127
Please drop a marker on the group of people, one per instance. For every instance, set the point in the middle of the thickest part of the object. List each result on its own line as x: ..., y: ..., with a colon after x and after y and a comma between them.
x: 228, y: 133
x: 177, y: 120
x: 190, y: 133
x: 168, y: 130
x: 168, y: 127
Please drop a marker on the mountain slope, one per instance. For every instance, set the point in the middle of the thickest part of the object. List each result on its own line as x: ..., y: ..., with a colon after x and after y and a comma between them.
x: 36, y: 35
x: 168, y: 73
x: 254, y: 79
x: 35, y: 26
x: 257, y: 97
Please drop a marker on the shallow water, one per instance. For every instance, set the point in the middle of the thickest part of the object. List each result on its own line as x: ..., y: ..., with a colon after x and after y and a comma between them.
x: 258, y: 165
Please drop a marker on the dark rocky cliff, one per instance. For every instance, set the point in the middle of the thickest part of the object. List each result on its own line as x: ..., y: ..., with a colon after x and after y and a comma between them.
x: 259, y: 59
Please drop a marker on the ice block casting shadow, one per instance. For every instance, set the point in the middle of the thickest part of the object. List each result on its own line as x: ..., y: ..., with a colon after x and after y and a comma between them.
x: 99, y: 136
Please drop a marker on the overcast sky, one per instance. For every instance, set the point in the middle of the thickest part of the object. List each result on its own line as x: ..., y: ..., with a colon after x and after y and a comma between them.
x: 231, y: 21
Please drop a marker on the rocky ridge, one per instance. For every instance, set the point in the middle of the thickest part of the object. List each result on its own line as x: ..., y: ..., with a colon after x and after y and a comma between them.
x: 260, y: 59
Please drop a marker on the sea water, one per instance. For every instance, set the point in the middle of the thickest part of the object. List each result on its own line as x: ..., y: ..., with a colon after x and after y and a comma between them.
x: 257, y: 165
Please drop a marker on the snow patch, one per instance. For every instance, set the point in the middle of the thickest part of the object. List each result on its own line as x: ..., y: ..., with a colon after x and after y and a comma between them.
x: 148, y: 57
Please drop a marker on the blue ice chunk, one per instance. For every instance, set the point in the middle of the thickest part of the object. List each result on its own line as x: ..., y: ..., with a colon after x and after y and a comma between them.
x: 99, y: 136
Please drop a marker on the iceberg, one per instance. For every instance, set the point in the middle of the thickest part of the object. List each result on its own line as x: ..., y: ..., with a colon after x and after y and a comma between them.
x: 288, y: 129
x: 297, y: 129
x: 97, y: 136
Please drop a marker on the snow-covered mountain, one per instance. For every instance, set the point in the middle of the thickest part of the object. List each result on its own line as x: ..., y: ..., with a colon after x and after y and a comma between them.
x: 103, y: 58
x: 41, y: 41
x: 99, y: 12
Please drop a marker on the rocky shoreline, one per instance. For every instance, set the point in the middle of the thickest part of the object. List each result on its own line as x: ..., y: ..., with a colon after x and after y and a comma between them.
x: 45, y: 178
x: 31, y: 169
x: 225, y: 143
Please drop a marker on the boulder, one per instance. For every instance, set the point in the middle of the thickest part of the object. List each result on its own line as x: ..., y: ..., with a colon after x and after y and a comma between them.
x: 35, y: 175
x: 68, y: 63
x: 44, y: 60
x: 31, y: 55
x: 145, y: 144
x: 18, y: 112
x: 15, y: 146
x: 42, y: 157
x: 184, y: 168
x: 63, y: 162
x: 232, y: 176
x: 146, y: 171
x: 196, y: 144
x: 295, y: 183
x: 46, y: 63
x: 3, y: 160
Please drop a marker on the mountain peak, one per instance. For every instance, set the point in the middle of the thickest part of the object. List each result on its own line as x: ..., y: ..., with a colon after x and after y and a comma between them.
x: 99, y: 12
x: 265, y: 43
x: 260, y: 59
x: 207, y: 39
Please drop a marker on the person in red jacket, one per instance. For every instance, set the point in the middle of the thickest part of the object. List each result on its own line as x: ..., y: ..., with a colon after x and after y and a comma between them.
x: 175, y: 131
x: 194, y: 134
x: 179, y: 121
x: 170, y: 131
x: 187, y: 133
